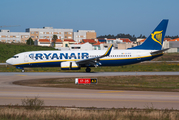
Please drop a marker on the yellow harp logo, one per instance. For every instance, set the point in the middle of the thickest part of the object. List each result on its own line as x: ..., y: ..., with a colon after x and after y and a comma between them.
x: 157, y: 36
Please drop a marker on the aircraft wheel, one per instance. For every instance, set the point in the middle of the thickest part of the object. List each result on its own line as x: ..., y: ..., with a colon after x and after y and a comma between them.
x: 88, y: 69
x: 23, y: 70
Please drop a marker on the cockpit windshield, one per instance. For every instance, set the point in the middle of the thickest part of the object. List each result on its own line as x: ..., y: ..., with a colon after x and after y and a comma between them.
x: 15, y: 56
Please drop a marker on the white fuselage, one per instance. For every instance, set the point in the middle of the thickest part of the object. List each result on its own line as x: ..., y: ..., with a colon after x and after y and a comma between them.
x: 54, y: 58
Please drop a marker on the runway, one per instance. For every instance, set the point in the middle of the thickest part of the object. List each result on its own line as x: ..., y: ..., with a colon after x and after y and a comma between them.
x: 74, y: 74
x: 12, y: 94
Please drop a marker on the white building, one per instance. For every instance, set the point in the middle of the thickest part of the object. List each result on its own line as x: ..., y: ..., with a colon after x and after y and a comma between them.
x: 81, y: 46
x: 172, y: 44
x: 15, y: 37
x: 48, y: 32
x: 44, y: 42
x: 84, y: 34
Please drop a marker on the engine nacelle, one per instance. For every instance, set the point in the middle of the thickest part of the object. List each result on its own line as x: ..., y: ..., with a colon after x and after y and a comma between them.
x: 69, y: 66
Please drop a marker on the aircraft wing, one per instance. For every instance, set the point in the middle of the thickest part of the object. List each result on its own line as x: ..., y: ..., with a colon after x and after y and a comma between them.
x: 95, y: 60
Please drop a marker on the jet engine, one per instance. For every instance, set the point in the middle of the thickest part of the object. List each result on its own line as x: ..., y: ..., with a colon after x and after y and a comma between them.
x: 69, y: 66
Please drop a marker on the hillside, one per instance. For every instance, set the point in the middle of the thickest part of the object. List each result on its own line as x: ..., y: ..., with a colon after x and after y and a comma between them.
x: 8, y: 50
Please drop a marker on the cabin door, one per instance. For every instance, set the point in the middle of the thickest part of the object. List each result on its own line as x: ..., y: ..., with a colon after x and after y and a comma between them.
x: 138, y: 55
x: 26, y: 58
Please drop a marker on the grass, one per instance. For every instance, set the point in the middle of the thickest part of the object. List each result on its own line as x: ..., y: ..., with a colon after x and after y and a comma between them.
x: 8, y: 50
x: 56, y: 113
x: 140, y: 67
x: 168, y: 57
x: 140, y: 83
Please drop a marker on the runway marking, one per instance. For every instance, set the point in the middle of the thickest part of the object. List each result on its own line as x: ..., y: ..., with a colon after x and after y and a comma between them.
x: 109, y: 91
x: 20, y: 75
x: 100, y: 100
x: 52, y: 93
x: 154, y: 95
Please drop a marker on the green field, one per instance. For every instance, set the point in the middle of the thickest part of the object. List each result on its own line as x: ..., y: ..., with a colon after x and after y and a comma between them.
x: 8, y: 50
x: 139, y: 83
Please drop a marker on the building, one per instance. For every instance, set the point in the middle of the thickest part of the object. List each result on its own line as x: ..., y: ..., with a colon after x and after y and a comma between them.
x: 139, y: 39
x: 48, y: 32
x: 102, y: 40
x: 172, y: 44
x: 68, y: 42
x: 125, y: 40
x: 81, y: 46
x: 119, y: 43
x: 118, y: 40
x: 13, y: 37
x: 98, y: 46
x: 41, y: 36
x: 44, y: 42
x: 125, y: 45
x: 58, y: 43
x: 84, y: 34
x: 91, y: 41
x: 110, y: 41
x: 63, y: 34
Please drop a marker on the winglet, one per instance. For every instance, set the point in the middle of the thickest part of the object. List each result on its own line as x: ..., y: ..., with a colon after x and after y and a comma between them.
x: 108, y: 51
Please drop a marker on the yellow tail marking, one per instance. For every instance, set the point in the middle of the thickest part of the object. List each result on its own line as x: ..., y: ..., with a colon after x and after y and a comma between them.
x: 157, y: 36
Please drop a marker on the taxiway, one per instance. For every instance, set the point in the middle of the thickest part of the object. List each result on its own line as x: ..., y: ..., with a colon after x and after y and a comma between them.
x: 13, y: 94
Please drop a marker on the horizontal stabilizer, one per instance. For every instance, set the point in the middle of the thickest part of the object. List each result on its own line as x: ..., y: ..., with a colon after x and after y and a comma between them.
x: 160, y: 51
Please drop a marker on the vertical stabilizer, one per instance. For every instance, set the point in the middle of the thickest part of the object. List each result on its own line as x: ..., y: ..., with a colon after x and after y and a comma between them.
x: 155, y: 39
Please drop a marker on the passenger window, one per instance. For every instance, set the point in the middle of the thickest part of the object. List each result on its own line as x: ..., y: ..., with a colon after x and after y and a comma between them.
x: 15, y: 56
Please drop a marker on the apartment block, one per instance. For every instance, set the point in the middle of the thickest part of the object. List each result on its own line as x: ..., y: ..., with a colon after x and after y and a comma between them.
x: 84, y: 34
x: 48, y: 32
x: 13, y: 37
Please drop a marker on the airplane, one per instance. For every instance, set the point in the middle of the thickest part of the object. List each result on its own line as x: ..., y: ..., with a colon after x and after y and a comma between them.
x: 74, y: 60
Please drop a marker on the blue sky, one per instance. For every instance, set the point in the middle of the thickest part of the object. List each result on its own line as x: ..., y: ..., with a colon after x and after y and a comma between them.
x: 133, y: 17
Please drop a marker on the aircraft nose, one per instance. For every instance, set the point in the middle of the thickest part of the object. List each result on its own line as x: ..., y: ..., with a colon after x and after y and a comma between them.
x: 9, y: 61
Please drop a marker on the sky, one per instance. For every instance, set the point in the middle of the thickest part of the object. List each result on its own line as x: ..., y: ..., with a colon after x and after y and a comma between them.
x: 133, y: 17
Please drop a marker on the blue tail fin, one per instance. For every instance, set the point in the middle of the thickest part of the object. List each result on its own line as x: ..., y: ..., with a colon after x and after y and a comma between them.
x: 155, y: 40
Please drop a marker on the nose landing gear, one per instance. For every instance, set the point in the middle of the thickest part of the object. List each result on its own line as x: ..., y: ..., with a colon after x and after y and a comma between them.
x: 21, y: 69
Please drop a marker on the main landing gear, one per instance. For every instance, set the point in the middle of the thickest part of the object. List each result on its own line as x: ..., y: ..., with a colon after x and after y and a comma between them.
x: 23, y: 70
x: 88, y: 69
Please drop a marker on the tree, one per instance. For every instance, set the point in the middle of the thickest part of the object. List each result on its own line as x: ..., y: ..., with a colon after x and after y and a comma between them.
x: 141, y: 36
x: 30, y: 41
x: 120, y: 35
x: 172, y: 37
x: 54, y: 39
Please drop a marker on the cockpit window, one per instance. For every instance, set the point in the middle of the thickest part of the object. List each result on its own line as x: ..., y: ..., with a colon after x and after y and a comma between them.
x: 15, y: 56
